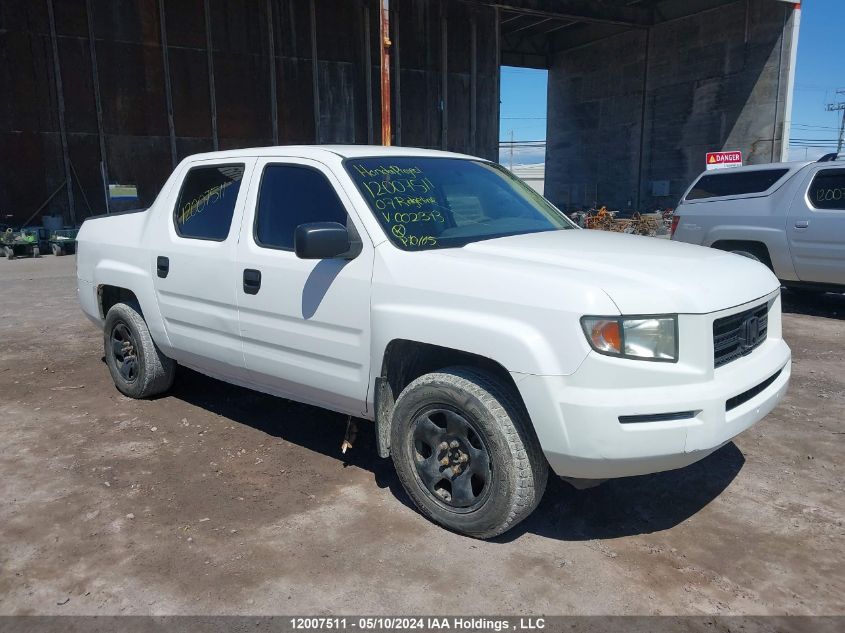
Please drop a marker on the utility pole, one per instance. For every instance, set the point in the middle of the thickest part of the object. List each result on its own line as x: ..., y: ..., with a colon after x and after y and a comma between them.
x: 384, y: 49
x: 837, y: 107
x: 511, y: 167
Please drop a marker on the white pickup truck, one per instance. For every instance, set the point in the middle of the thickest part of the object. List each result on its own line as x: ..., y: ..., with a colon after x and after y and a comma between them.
x: 437, y: 295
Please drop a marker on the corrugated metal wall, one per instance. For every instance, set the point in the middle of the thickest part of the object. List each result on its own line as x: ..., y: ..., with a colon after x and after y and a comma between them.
x: 231, y: 73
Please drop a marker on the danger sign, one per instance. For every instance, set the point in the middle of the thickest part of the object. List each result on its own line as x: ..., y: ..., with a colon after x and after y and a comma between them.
x: 720, y: 160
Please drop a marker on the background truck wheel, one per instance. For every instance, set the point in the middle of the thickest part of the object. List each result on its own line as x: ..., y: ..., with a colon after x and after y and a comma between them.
x: 466, y: 453
x: 9, y: 252
x: 750, y: 254
x: 57, y: 250
x: 754, y: 251
x: 137, y: 366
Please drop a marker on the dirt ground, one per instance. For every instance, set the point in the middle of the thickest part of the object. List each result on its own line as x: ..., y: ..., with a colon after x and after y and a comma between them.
x: 217, y: 500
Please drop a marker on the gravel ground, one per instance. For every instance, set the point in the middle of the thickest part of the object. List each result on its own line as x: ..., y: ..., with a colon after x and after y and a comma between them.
x: 217, y: 500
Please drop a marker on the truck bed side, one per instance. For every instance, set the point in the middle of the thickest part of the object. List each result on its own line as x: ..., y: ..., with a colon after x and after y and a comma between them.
x: 112, y: 253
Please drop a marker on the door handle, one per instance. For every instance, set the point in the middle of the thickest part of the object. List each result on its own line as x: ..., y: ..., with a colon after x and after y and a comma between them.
x: 162, y: 266
x: 802, y: 224
x: 252, y: 281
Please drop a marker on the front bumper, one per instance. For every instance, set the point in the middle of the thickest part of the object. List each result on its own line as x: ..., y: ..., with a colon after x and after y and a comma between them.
x: 577, y: 417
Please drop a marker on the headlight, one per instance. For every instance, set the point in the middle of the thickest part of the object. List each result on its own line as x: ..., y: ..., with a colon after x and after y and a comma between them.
x: 640, y: 337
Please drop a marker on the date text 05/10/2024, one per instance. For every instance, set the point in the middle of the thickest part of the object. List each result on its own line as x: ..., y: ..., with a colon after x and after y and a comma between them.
x: 418, y: 623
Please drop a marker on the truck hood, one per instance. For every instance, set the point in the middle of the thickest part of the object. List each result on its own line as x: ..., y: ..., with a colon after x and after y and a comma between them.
x: 642, y: 275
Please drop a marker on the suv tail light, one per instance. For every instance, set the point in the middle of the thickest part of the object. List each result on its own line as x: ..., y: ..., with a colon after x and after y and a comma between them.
x: 675, y: 220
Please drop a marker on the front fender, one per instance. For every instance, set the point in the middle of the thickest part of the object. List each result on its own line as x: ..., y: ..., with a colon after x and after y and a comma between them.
x: 509, y: 342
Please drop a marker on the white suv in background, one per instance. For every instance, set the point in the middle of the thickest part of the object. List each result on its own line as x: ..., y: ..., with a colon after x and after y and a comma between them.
x: 789, y: 216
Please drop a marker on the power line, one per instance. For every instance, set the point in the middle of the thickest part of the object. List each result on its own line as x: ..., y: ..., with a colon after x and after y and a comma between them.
x: 805, y: 126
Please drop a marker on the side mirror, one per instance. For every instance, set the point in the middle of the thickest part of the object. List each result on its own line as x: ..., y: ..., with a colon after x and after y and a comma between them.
x: 325, y: 240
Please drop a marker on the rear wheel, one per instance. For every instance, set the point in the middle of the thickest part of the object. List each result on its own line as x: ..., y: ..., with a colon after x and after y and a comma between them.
x: 57, y: 250
x: 138, y: 368
x: 465, y: 452
x: 9, y: 252
x: 751, y: 250
x: 749, y: 254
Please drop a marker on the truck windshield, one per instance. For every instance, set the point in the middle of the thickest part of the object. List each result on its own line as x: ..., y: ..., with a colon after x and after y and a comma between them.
x: 425, y: 203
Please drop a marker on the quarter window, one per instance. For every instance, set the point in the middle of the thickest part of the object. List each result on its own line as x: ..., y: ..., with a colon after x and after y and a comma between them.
x: 827, y: 191
x: 206, y: 202
x: 291, y: 195
x: 735, y: 184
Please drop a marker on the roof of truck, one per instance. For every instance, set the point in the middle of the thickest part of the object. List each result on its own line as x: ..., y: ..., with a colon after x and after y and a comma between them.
x: 791, y: 165
x: 314, y: 151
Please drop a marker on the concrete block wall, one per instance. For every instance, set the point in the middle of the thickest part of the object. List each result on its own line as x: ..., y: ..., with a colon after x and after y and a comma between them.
x: 646, y: 105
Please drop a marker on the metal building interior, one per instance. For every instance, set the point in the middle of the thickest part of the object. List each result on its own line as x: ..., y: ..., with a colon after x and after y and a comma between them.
x: 118, y: 91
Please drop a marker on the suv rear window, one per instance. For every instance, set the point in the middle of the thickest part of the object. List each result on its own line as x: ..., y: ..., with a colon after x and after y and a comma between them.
x: 734, y: 184
x: 827, y: 191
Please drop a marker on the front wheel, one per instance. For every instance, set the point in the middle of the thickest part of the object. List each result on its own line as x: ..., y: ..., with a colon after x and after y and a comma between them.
x: 465, y: 452
x: 137, y: 366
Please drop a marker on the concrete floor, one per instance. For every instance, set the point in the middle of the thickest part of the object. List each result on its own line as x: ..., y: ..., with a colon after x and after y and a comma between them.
x: 217, y: 500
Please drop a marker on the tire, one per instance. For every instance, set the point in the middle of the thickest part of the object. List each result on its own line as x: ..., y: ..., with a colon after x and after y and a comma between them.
x: 752, y: 251
x: 501, y: 471
x: 10, y: 252
x: 57, y: 250
x: 137, y: 366
x: 748, y: 254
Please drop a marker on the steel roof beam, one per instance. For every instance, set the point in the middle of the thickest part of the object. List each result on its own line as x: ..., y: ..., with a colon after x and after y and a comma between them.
x: 590, y: 11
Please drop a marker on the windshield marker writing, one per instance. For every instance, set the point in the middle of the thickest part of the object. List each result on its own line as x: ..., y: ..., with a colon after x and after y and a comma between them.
x: 391, y: 170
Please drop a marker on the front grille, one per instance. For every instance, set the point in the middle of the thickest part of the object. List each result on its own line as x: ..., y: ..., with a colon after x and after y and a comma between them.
x: 740, y: 334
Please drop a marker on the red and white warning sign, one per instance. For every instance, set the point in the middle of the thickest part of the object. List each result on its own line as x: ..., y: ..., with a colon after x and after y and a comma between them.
x: 721, y: 160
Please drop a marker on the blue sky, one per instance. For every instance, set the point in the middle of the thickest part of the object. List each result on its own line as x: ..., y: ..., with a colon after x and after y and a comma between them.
x: 820, y: 71
x: 523, y: 112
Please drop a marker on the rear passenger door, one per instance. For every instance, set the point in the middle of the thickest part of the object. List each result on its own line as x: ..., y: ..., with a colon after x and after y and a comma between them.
x: 305, y: 324
x: 816, y: 226
x: 193, y: 266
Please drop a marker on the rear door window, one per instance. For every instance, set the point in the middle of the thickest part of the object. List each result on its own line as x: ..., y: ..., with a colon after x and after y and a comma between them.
x: 206, y: 202
x: 827, y: 191
x: 734, y: 184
